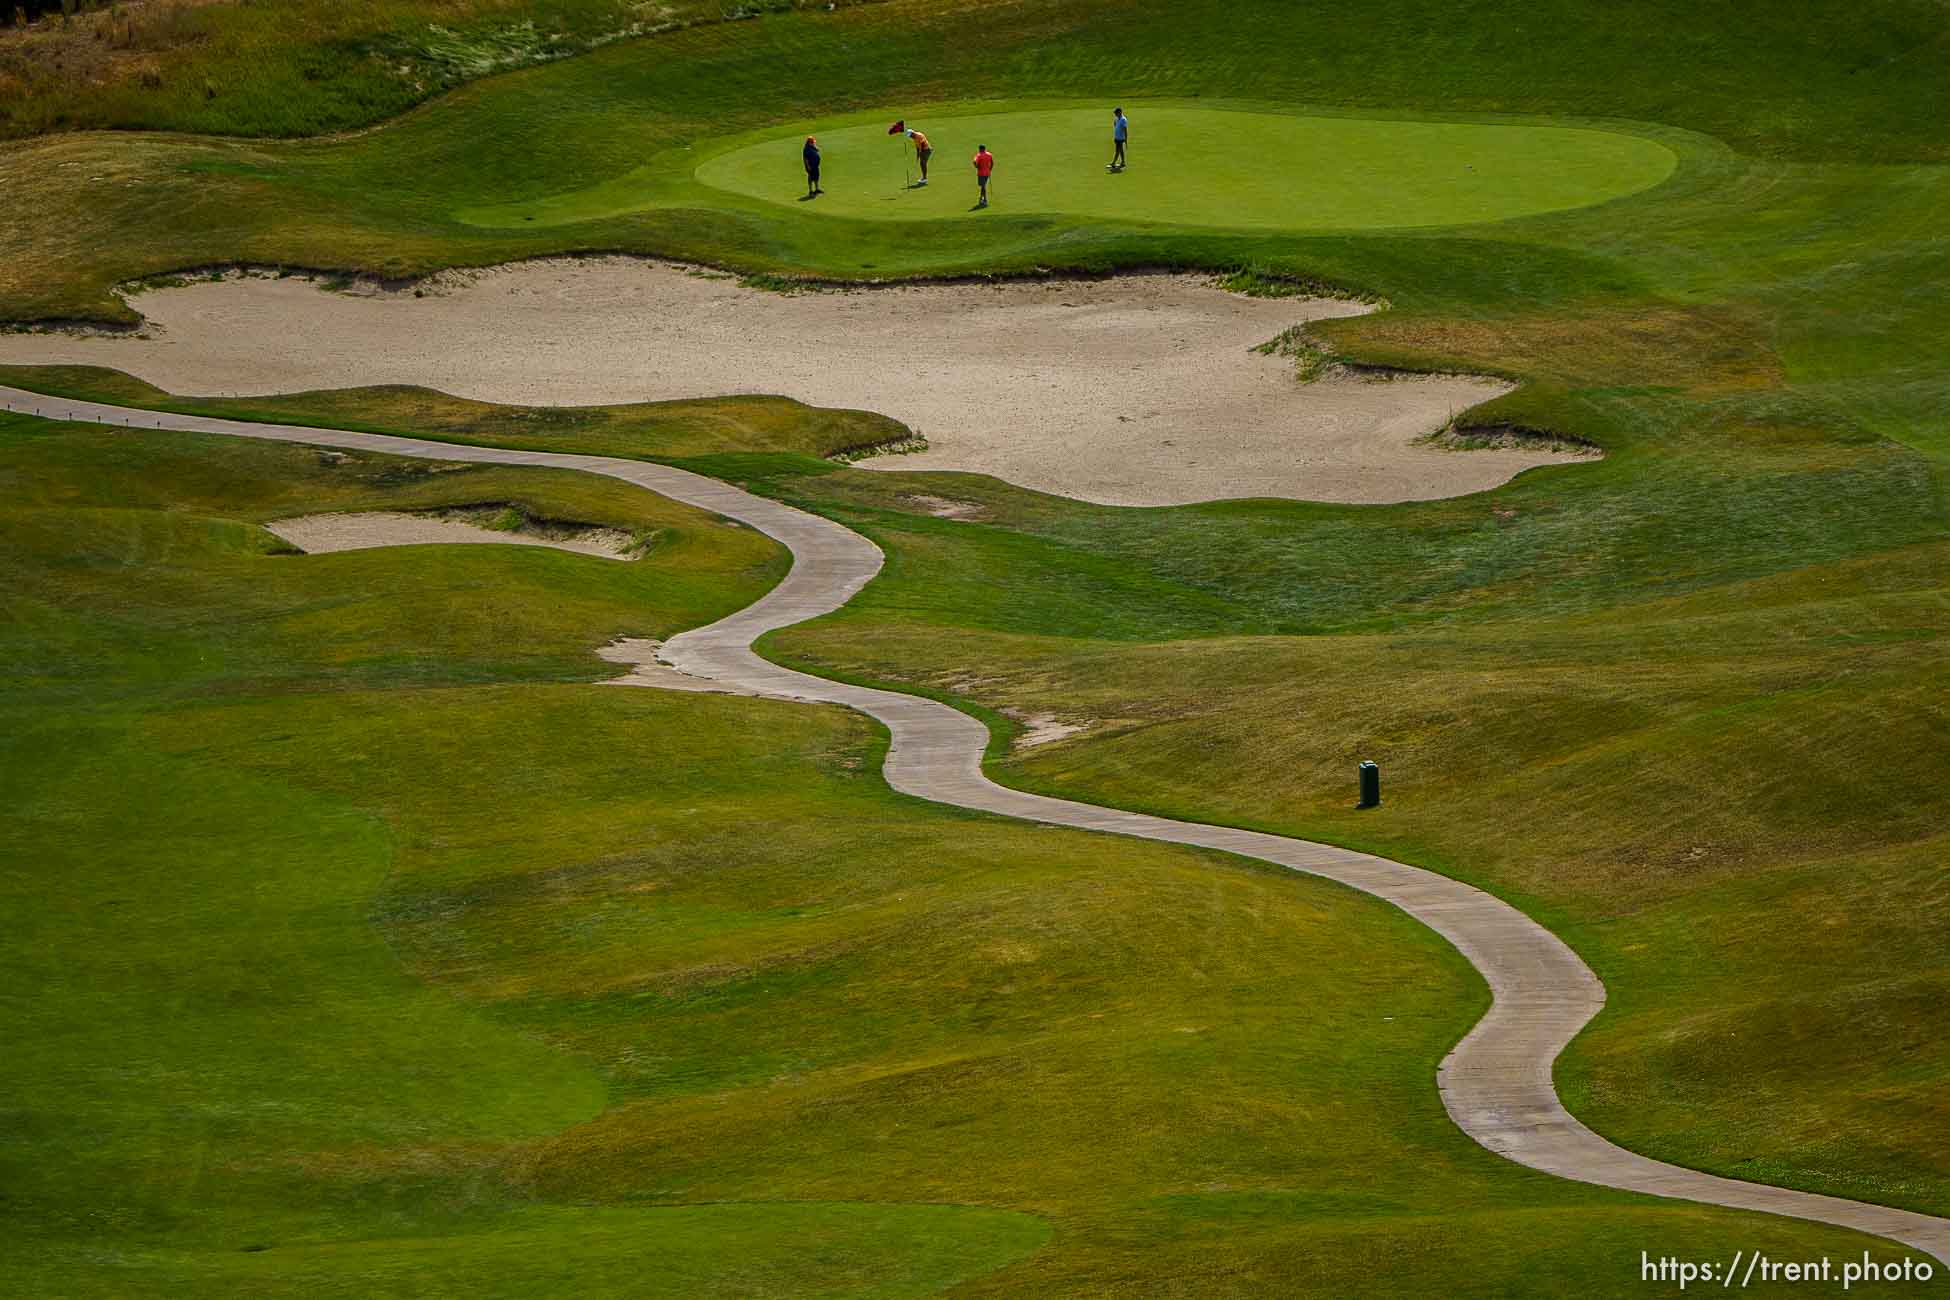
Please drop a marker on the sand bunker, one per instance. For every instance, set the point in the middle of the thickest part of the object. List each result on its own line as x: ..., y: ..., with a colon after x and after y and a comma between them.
x: 317, y: 534
x: 640, y: 654
x: 1043, y: 729
x: 1137, y: 390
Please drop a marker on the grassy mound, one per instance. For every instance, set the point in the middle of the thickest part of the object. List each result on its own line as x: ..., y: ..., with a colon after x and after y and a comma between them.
x: 707, y: 434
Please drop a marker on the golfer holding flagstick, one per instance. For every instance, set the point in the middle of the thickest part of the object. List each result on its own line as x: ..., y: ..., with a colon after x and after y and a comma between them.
x: 922, y: 152
x: 922, y: 149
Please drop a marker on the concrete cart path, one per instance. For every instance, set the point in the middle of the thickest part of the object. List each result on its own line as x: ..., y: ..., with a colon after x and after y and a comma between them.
x: 1496, y: 1084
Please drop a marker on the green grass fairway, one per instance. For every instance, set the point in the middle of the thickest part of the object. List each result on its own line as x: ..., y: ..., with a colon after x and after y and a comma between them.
x: 1200, y: 166
x: 359, y: 951
x: 1500, y: 674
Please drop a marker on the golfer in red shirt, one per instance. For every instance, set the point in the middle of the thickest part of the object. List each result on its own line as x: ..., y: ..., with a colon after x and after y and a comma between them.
x: 984, y: 164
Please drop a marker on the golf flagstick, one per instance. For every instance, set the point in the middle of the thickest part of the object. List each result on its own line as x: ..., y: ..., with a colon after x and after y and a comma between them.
x: 899, y: 129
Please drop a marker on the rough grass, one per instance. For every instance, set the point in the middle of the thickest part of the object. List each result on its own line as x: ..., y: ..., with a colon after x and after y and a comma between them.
x: 355, y: 955
x: 1821, y: 83
x: 1709, y: 753
x: 298, y: 67
x: 1642, y: 752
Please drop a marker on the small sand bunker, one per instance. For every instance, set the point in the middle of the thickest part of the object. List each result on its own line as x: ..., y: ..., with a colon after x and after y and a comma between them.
x: 318, y: 534
x: 946, y: 507
x: 1044, y: 729
x: 646, y: 669
x: 1133, y: 390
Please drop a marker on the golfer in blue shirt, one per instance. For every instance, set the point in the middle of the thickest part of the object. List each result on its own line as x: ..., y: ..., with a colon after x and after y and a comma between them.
x: 1120, y: 132
x: 811, y: 155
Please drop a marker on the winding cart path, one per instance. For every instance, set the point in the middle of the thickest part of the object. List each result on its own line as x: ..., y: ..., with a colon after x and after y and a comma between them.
x: 1496, y: 1084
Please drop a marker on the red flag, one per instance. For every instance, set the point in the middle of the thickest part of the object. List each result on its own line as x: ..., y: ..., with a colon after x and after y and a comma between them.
x: 897, y: 127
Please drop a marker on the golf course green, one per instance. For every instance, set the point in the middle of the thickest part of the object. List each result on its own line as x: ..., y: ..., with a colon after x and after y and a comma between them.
x: 1205, y: 167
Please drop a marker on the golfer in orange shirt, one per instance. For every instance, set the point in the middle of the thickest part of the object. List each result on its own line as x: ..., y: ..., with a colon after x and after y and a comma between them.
x: 984, y: 164
x: 922, y: 152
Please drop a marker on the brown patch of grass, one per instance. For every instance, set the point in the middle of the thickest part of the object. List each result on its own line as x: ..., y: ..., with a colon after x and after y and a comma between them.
x: 1706, y: 351
x: 99, y: 46
x: 371, y: 1162
x: 150, y: 64
x: 1506, y: 436
x: 946, y: 507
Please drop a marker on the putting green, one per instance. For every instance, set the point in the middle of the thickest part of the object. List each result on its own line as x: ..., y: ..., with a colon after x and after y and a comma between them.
x: 1210, y: 167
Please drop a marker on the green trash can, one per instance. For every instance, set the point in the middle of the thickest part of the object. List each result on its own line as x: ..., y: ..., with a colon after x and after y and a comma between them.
x: 1370, y: 786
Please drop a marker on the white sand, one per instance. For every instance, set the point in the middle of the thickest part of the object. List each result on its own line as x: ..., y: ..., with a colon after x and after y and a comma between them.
x: 1137, y: 390
x: 1043, y: 729
x: 646, y: 669
x: 319, y: 534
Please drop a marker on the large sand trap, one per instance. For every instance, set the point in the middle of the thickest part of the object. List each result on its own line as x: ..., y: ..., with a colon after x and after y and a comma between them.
x: 319, y: 534
x: 1137, y: 390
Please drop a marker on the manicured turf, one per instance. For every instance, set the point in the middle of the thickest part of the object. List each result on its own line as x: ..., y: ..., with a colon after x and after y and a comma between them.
x: 354, y: 954
x: 1198, y: 166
